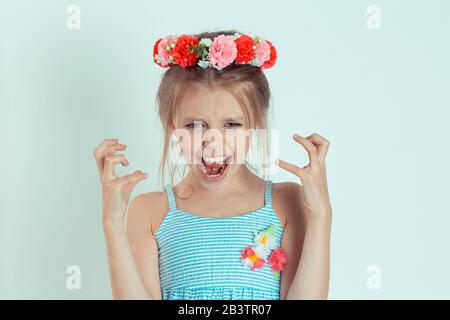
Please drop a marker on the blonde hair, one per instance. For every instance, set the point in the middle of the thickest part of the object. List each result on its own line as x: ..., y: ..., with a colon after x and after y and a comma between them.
x: 247, y: 84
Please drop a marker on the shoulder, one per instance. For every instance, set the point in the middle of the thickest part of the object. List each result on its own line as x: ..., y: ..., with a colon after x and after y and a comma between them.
x: 147, y: 209
x: 286, y: 201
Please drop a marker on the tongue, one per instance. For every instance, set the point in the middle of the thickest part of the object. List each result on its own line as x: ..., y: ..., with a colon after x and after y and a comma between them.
x: 213, y: 169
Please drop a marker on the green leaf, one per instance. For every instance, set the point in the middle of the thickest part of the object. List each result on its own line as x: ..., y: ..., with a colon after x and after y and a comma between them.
x: 271, y: 230
x: 276, y: 275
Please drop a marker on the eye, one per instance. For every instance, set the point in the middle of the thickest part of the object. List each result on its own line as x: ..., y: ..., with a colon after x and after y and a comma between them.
x: 232, y: 124
x: 194, y: 125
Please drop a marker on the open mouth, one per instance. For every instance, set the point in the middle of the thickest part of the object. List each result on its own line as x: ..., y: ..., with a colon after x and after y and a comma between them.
x: 214, y: 168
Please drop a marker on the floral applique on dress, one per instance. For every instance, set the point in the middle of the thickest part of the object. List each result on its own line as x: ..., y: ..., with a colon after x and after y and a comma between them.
x: 265, y: 251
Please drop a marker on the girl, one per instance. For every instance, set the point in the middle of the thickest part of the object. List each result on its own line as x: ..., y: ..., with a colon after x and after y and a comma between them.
x: 222, y: 232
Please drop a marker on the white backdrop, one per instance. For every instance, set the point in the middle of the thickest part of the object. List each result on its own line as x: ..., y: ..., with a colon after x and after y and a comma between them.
x: 371, y: 79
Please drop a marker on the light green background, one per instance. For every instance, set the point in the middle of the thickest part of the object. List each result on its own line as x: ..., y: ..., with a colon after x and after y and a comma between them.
x: 381, y: 98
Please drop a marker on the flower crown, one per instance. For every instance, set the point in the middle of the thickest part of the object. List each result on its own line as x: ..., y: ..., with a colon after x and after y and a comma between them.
x: 187, y: 50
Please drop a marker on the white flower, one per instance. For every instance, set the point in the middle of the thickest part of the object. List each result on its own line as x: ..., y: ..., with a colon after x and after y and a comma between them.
x: 255, y: 62
x: 204, y: 64
x: 236, y: 35
x: 262, y: 251
x: 206, y: 42
x: 248, y: 262
x: 265, y: 241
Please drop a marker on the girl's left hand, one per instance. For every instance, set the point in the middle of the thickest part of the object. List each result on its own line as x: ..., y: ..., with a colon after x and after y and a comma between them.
x: 314, y: 194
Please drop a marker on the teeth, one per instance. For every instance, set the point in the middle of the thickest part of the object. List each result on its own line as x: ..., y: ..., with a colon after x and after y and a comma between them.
x: 214, y: 175
x: 222, y: 160
x: 214, y: 159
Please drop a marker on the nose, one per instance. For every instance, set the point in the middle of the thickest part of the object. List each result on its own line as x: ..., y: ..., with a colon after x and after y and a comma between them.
x: 213, y: 139
x: 209, y: 139
x: 211, y: 135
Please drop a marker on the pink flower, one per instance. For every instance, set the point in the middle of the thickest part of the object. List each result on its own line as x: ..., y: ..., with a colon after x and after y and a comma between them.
x: 222, y: 52
x: 278, y: 260
x: 273, y: 57
x: 164, y: 50
x: 251, y: 258
x: 262, y: 53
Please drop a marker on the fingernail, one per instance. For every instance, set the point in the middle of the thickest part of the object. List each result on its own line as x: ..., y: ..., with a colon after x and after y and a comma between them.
x: 277, y: 161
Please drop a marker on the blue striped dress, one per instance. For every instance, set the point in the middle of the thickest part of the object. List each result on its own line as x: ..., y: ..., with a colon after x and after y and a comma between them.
x: 200, y: 257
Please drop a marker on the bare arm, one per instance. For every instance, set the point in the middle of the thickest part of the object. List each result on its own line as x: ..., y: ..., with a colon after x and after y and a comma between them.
x: 140, y: 234
x: 311, y: 215
x: 126, y: 282
x: 286, y: 202
x: 311, y: 280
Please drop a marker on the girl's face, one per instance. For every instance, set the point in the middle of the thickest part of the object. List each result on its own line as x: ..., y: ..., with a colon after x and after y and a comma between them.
x: 214, y: 132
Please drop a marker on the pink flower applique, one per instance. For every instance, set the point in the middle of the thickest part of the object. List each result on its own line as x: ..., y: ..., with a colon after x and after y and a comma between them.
x: 265, y: 251
x: 252, y: 259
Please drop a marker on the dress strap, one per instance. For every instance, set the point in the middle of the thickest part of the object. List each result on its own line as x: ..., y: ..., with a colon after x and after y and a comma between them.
x: 171, y: 198
x: 268, y: 194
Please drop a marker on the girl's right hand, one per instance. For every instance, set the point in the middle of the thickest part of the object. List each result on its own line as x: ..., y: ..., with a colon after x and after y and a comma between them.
x: 115, y: 190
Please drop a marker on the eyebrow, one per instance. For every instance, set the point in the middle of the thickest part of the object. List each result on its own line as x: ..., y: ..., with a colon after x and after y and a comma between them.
x: 236, y: 119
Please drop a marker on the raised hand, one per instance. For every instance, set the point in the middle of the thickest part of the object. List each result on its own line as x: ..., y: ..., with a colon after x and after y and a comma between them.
x: 116, y: 190
x: 314, y: 194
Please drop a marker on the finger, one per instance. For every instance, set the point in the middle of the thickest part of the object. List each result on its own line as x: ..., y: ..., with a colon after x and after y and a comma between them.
x: 321, y: 143
x: 104, y: 145
x: 310, y: 148
x: 292, y: 168
x: 100, y: 150
x: 131, y: 180
x: 109, y: 151
x: 112, y: 150
x: 110, y: 162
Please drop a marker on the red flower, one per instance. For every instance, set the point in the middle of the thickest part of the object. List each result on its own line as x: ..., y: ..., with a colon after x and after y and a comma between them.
x: 155, y: 47
x: 278, y: 259
x: 251, y: 258
x: 273, y: 56
x: 184, y: 53
x: 155, y: 52
x: 244, y: 45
